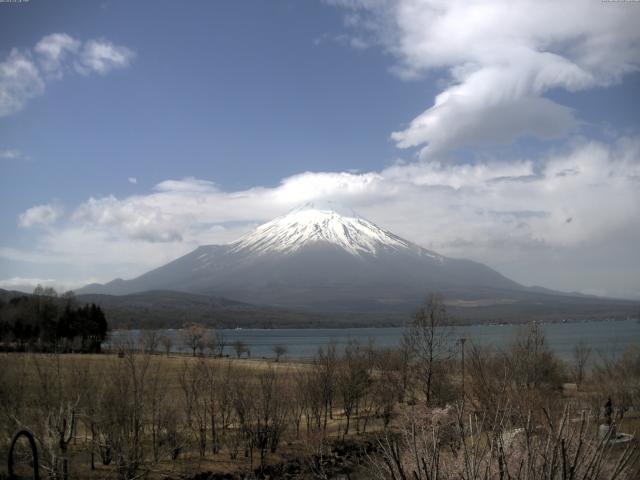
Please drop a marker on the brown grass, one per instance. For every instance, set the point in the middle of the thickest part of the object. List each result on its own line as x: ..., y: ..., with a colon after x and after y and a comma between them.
x: 68, y: 365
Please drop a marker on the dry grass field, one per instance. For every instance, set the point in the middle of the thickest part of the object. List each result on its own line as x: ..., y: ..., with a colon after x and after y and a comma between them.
x: 34, y: 383
x: 131, y: 415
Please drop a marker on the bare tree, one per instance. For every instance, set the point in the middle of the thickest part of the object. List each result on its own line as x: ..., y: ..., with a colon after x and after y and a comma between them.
x: 239, y: 347
x: 525, y: 376
x: 192, y: 337
x: 353, y: 380
x: 325, y: 366
x: 529, y: 352
x: 222, y: 342
x: 534, y: 371
x: 160, y: 415
x: 427, y: 338
x: 167, y: 342
x: 210, y: 342
x: 297, y: 392
x: 13, y: 387
x: 263, y: 416
x: 193, y: 380
x: 403, y: 368
x: 436, y: 444
x: 487, y: 388
x: 310, y: 393
x: 280, y: 350
x: 87, y: 380
x: 213, y: 386
x: 581, y: 354
x: 60, y: 430
x: 244, y: 406
x: 224, y: 397
x: 121, y: 429
x: 618, y: 377
x: 149, y: 341
x: 56, y: 409
x: 386, y: 384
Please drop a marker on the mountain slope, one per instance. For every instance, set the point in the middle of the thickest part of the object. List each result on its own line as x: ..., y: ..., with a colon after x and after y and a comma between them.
x: 171, y: 309
x: 319, y: 257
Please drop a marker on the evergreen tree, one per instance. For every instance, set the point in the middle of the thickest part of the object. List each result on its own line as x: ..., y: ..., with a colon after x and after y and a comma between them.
x: 46, y: 322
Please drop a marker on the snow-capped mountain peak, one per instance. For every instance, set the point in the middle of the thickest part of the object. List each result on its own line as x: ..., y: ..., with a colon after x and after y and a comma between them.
x: 316, y: 222
x: 320, y: 255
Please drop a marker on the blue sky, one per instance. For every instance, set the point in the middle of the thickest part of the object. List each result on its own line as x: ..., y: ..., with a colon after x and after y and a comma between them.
x: 235, y: 92
x: 164, y: 125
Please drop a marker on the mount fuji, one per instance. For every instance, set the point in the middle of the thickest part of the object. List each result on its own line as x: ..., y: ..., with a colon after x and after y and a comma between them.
x: 321, y: 256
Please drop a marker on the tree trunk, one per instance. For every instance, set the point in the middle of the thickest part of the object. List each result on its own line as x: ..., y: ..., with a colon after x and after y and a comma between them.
x: 93, y: 444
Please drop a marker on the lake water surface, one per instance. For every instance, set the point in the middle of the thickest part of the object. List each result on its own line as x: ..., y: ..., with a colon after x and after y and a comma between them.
x: 604, y: 337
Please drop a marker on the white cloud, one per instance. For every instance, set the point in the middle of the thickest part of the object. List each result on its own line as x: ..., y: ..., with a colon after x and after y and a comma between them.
x: 132, y: 180
x: 357, y: 43
x: 24, y: 74
x: 498, y: 59
x: 136, y: 220
x: 53, y: 51
x: 510, y: 215
x: 188, y: 184
x: 13, y: 154
x: 20, y: 81
x: 40, y: 215
x: 101, y: 56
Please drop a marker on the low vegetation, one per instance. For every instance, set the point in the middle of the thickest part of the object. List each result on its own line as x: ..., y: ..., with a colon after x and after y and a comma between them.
x: 422, y: 411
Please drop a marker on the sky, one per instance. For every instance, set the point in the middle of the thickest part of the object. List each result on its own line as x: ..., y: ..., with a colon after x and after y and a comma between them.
x: 506, y: 132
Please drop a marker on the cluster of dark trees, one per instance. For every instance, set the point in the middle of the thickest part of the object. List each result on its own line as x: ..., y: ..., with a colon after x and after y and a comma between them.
x: 47, y: 322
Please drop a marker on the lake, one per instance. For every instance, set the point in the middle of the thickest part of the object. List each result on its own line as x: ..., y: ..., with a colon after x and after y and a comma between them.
x: 604, y: 337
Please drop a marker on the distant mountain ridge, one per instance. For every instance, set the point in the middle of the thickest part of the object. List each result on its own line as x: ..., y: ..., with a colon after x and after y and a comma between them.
x: 172, y: 309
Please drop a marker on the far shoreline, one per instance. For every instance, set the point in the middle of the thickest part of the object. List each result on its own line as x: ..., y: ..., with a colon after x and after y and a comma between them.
x: 360, y: 326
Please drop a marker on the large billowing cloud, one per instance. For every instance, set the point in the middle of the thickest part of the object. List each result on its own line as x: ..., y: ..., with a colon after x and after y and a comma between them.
x: 24, y: 74
x: 543, y: 220
x: 498, y: 59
